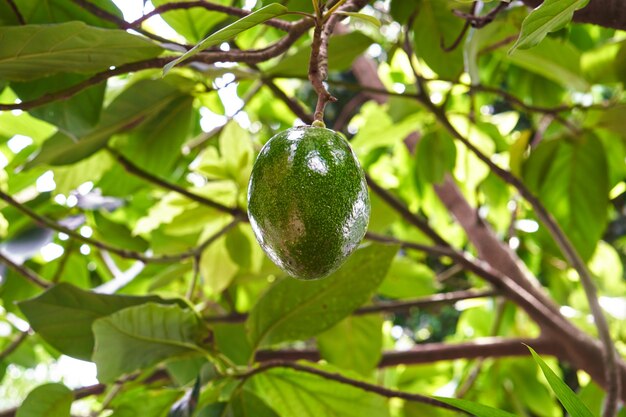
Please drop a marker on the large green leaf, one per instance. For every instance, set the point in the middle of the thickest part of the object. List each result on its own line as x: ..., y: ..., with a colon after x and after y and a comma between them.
x: 35, y: 51
x: 354, y: 343
x: 139, y: 401
x: 232, y: 30
x: 555, y: 60
x: 571, y: 180
x: 574, y: 406
x: 63, y: 315
x: 292, y: 309
x: 48, y: 400
x: 139, y: 104
x: 436, y: 156
x: 76, y: 115
x: 342, y: 50
x: 192, y: 23
x: 156, y: 145
x: 551, y: 15
x: 434, y: 28
x: 293, y: 393
x: 142, y: 336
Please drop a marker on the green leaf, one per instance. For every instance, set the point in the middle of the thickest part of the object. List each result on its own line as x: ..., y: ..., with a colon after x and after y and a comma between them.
x: 216, y: 266
x: 59, y: 11
x: 48, y: 400
x: 192, y: 23
x: 478, y: 410
x: 436, y: 27
x: 574, y: 406
x: 140, y: 401
x: 76, y: 115
x: 342, y: 50
x: 293, y: 310
x: 230, y: 31
x: 156, y: 145
x: 362, y: 16
x: 293, y: 393
x: 613, y: 119
x: 354, y: 343
x: 34, y: 51
x: 247, y: 404
x: 63, y: 315
x: 436, y: 156
x: 555, y: 60
x: 571, y: 179
x: 142, y: 336
x: 407, y: 278
x: 137, y: 105
x: 551, y: 15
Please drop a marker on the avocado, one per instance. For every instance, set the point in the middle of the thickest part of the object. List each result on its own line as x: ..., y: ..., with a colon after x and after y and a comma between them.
x: 308, y: 202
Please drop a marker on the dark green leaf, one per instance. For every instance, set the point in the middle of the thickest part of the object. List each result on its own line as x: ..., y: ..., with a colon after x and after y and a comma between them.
x: 142, y: 336
x: 34, y: 51
x: 574, y: 406
x: 48, y: 400
x: 137, y: 105
x: 436, y: 156
x: 294, y: 309
x: 63, y: 315
x: 435, y: 28
x: 571, y: 179
x: 247, y: 404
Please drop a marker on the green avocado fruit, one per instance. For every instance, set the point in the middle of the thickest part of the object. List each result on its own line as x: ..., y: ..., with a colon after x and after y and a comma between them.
x: 307, y: 201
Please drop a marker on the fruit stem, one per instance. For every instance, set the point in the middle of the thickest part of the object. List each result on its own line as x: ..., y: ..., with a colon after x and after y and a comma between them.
x: 318, y: 65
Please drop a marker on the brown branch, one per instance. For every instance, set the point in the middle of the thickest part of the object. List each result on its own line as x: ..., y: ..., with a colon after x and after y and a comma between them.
x: 566, y: 247
x: 482, y: 21
x: 135, y: 170
x: 233, y: 11
x: 487, y: 347
x: 293, y: 105
x: 384, y: 307
x: 120, y: 22
x: 333, y: 376
x: 124, y: 253
x: 17, y: 12
x: 25, y: 272
x: 11, y: 347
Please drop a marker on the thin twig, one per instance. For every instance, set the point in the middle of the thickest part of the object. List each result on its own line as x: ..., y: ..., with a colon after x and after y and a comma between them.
x: 16, y: 11
x: 25, y: 272
x: 124, y: 253
x: 333, y: 376
x: 233, y: 11
x: 11, y: 347
x: 135, y: 170
x: 482, y: 21
x: 385, y: 307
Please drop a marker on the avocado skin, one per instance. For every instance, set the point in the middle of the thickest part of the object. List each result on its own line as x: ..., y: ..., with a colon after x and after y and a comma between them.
x: 308, y: 202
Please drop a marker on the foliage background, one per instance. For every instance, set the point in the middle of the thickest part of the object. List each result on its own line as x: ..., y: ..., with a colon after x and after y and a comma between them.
x: 134, y: 184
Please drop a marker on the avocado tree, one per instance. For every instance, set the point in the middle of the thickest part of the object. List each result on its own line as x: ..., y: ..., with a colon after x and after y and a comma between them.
x: 490, y: 282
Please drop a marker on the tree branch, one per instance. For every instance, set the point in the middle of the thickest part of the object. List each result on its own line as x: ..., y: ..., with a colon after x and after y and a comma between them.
x: 17, y: 12
x: 124, y: 253
x: 385, y: 307
x: 487, y: 347
x: 11, y: 347
x: 25, y: 272
x: 333, y: 376
x: 135, y: 170
x: 233, y: 11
